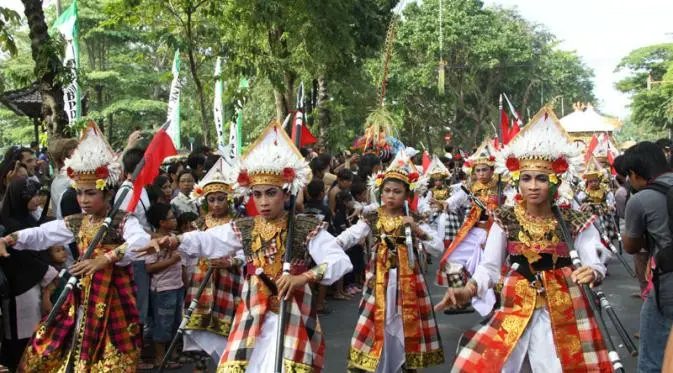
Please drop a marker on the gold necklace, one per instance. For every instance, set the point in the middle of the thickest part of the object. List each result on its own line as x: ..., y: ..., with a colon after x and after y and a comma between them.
x: 212, y: 221
x: 268, y: 229
x: 535, y: 231
x: 389, y: 224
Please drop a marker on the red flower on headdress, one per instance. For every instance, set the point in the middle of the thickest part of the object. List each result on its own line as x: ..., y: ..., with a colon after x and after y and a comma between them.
x: 102, y: 172
x: 289, y: 174
x: 70, y: 172
x: 467, y: 164
x: 491, y: 158
x: 458, y: 156
x: 243, y: 178
x: 518, y: 197
x: 413, y: 176
x: 512, y: 163
x: 198, y: 190
x: 560, y: 165
x: 380, y: 175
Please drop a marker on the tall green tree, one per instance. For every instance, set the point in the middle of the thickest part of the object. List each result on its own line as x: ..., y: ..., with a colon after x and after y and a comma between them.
x: 651, y: 103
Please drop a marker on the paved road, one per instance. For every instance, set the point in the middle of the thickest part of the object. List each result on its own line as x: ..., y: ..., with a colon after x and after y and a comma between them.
x: 338, y: 326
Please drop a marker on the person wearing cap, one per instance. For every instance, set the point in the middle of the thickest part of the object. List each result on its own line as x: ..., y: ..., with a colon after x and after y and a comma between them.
x: 210, y: 323
x: 396, y: 329
x: 271, y: 171
x: 464, y: 252
x: 97, y: 327
x: 544, y: 317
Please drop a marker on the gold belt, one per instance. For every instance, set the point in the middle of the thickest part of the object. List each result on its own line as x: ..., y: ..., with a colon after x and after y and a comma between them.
x: 540, y: 301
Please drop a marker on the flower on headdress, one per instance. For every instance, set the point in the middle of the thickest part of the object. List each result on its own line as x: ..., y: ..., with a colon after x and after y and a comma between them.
x: 553, y: 179
x: 100, y: 184
x: 467, y: 164
x: 491, y: 158
x: 518, y: 197
x: 102, y: 172
x: 400, y: 163
x: 197, y: 192
x: 70, y: 172
x: 413, y: 176
x: 243, y: 178
x: 379, y: 180
x: 512, y: 164
x: 412, y: 186
x: 515, y: 175
x: 560, y: 165
x: 289, y: 174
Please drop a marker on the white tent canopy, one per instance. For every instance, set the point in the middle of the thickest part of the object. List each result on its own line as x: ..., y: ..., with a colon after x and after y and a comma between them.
x: 586, y: 119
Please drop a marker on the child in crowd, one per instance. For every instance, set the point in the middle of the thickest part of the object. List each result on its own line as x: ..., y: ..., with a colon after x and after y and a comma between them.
x: 57, y: 259
x: 315, y: 206
x: 344, y: 182
x: 167, y: 286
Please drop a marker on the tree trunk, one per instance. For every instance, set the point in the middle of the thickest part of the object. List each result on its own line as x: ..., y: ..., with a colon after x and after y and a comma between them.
x: 281, y: 105
x: 197, y: 81
x: 47, y: 65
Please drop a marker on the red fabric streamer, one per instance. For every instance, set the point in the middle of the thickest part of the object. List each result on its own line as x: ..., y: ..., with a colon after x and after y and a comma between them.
x: 159, y: 148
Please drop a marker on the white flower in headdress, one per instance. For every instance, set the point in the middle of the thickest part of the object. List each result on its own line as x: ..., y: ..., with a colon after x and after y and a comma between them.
x: 404, y: 170
x: 437, y: 169
x: 272, y: 160
x: 93, y: 163
x: 542, y: 145
x: 219, y: 178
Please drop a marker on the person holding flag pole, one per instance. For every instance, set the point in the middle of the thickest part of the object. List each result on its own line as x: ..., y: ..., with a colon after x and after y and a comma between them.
x: 93, y: 326
x: 271, y: 171
x: 547, y: 317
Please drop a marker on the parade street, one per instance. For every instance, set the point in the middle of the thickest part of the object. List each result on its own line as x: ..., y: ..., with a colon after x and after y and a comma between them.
x: 339, y: 324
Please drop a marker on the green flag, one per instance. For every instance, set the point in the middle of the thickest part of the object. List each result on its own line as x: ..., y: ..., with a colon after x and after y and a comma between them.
x: 67, y: 25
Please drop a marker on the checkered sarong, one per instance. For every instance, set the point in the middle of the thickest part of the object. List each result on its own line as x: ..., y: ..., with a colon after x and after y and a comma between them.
x: 109, y: 332
x: 577, y: 339
x: 217, y: 304
x: 422, y: 344
x: 304, y: 346
x: 108, y: 337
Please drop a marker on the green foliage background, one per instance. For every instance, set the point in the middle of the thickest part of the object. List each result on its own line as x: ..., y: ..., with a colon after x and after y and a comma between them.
x: 335, y: 46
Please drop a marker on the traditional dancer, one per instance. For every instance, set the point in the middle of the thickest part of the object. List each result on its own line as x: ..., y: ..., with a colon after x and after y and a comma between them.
x: 396, y: 329
x: 210, y: 323
x: 445, y: 222
x: 544, y: 317
x: 271, y: 170
x: 97, y: 328
x: 597, y: 199
x: 464, y: 253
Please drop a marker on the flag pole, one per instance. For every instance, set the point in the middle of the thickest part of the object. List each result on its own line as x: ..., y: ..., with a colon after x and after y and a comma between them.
x: 102, y: 231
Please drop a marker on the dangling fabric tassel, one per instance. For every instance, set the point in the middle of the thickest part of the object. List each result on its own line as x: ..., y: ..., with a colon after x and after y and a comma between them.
x: 440, y: 80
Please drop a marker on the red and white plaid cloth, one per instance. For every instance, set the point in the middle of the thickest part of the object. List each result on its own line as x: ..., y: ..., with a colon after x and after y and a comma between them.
x: 578, y: 342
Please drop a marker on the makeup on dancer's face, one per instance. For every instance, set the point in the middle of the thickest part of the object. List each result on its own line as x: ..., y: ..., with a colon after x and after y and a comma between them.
x: 534, y: 186
x: 484, y: 173
x: 91, y: 200
x: 217, y: 203
x: 270, y: 200
x: 393, y: 194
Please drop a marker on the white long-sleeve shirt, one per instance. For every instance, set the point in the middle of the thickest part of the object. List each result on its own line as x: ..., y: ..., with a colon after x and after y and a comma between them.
x: 354, y: 234
x: 488, y: 272
x: 221, y: 241
x: 56, y: 233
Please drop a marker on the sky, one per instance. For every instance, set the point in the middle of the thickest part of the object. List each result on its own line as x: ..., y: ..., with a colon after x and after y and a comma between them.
x: 600, y: 31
